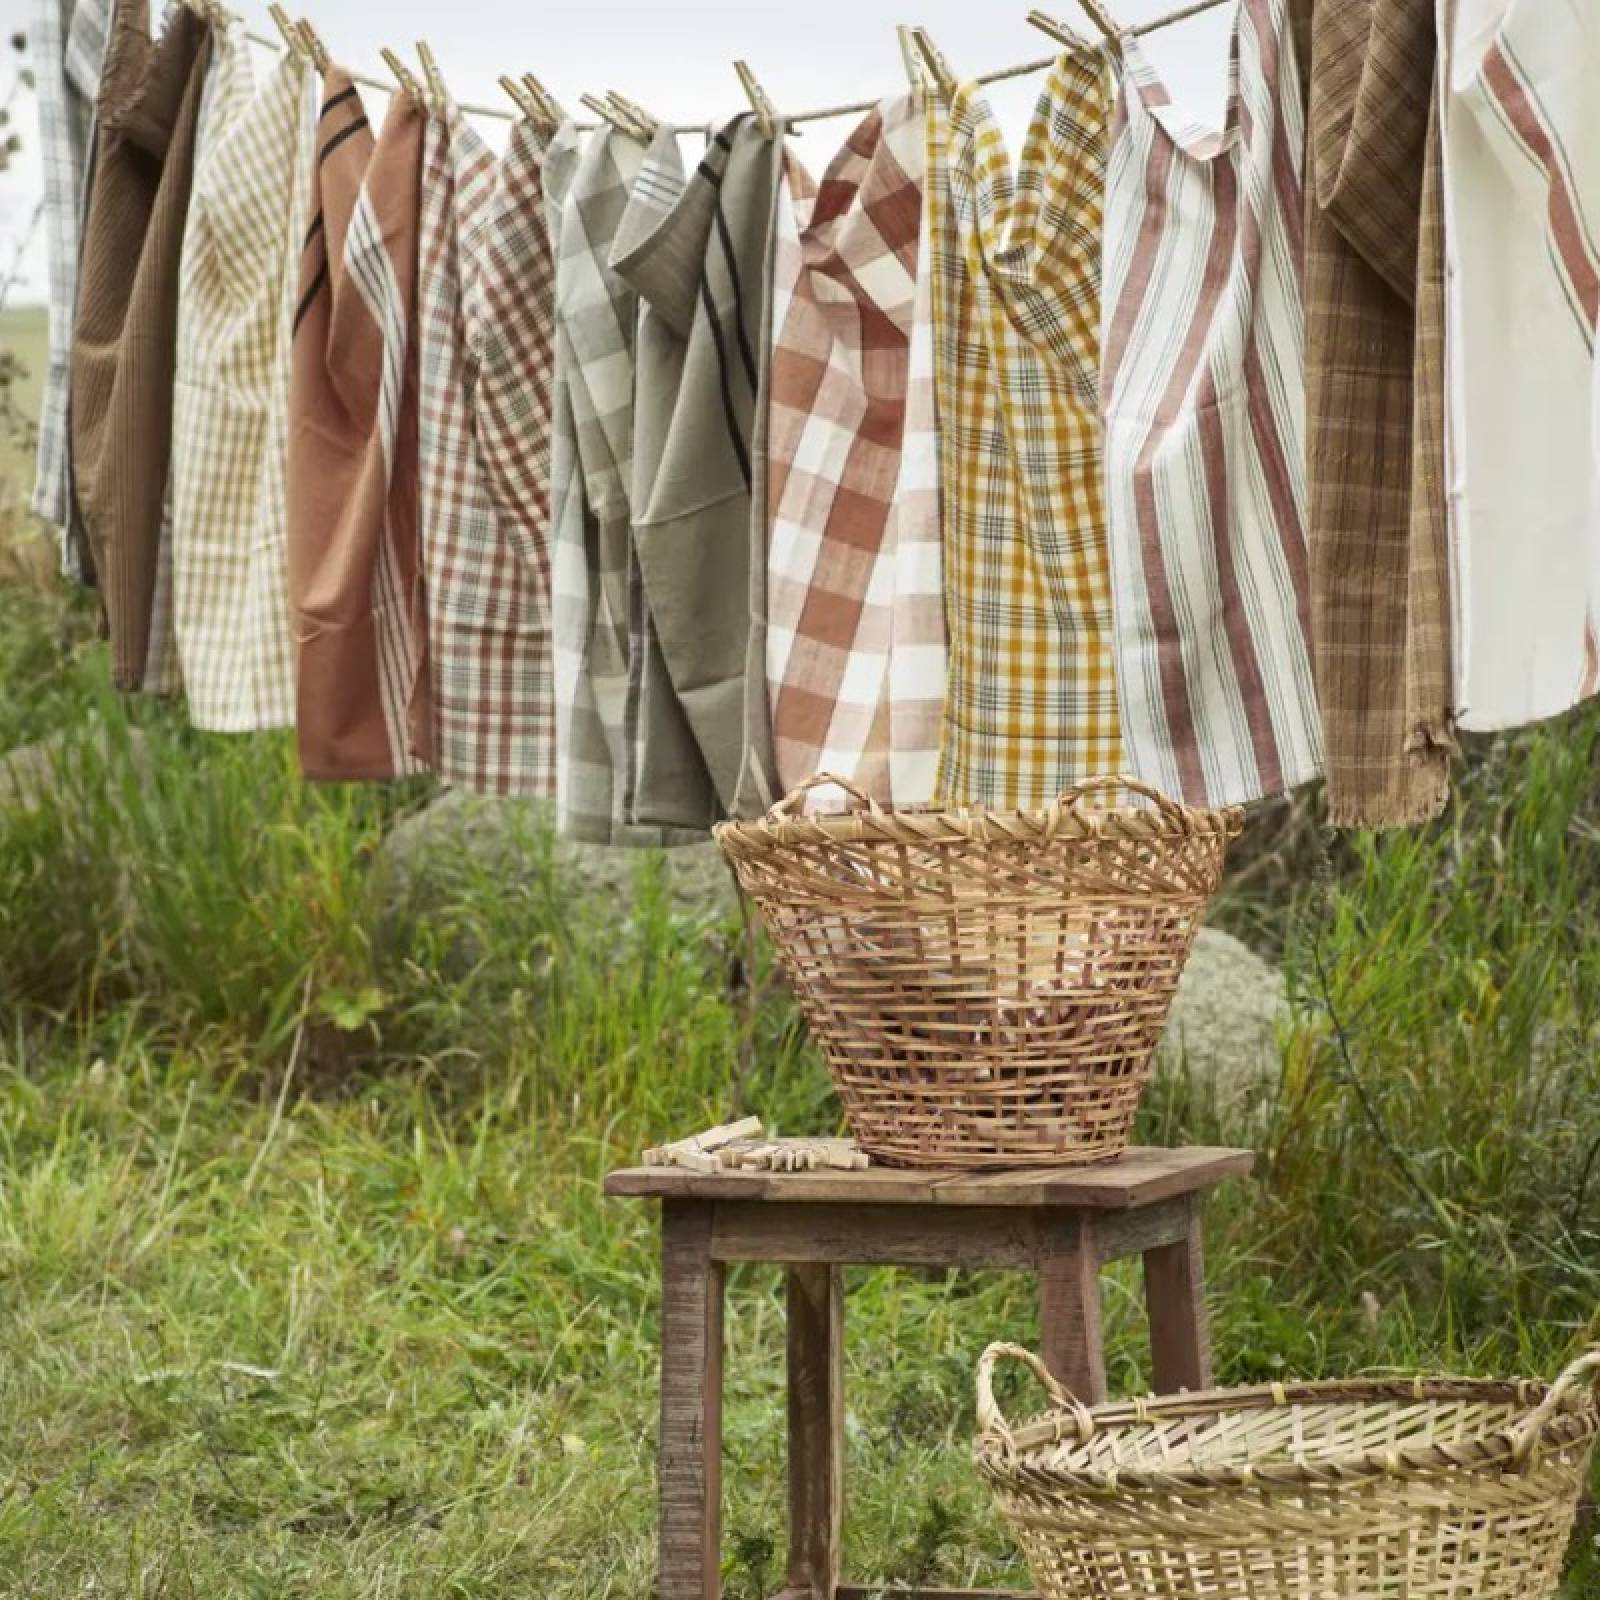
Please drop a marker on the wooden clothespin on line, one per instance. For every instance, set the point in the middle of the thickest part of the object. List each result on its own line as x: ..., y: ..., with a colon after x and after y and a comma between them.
x: 518, y: 94
x: 612, y: 113
x: 766, y: 116
x: 938, y: 67
x: 909, y: 57
x: 1101, y: 18
x: 1068, y: 38
x: 314, y: 47
x: 293, y: 40
x: 437, y: 93
x: 552, y: 108
x: 402, y: 75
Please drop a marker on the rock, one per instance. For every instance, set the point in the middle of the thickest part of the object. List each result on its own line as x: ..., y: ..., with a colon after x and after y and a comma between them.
x: 435, y: 856
x: 50, y: 774
x: 1223, y: 1030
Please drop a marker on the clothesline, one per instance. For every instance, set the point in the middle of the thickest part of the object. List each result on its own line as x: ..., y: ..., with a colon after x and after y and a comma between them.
x: 1021, y: 69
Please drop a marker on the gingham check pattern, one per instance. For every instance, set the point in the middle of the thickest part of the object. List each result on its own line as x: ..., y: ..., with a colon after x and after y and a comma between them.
x: 855, y: 625
x: 596, y: 586
x: 67, y: 42
x: 1033, y: 704
x: 237, y: 289
x: 485, y: 304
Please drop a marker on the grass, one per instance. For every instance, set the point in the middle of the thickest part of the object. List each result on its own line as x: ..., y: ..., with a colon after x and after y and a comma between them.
x: 307, y: 1287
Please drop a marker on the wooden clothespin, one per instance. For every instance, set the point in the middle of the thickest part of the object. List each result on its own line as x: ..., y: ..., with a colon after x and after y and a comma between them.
x: 552, y: 108
x: 520, y: 98
x: 293, y: 41
x: 645, y: 126
x: 1052, y: 29
x: 766, y: 117
x: 437, y: 93
x: 402, y: 75
x: 314, y: 47
x: 908, y: 55
x: 1101, y: 18
x: 608, y: 114
x: 937, y: 66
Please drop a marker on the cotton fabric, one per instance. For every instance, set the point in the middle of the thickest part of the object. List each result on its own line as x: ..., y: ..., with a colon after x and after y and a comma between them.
x: 352, y: 513
x: 1522, y: 199
x: 698, y: 255
x: 67, y: 43
x: 484, y: 561
x: 235, y: 317
x: 1032, y: 705
x: 124, y: 343
x: 1203, y: 394
x: 856, y: 635
x: 1374, y: 329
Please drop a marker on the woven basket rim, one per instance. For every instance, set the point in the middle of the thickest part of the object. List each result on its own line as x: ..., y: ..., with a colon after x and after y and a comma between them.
x: 1004, y: 1456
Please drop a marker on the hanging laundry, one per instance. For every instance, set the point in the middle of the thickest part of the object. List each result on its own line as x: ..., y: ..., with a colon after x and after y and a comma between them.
x: 1032, y: 702
x: 67, y: 40
x: 1522, y: 202
x: 1374, y: 388
x: 699, y: 255
x: 485, y: 574
x: 856, y: 631
x: 1203, y: 394
x: 352, y: 516
x: 124, y: 334
x: 599, y: 591
x: 235, y: 318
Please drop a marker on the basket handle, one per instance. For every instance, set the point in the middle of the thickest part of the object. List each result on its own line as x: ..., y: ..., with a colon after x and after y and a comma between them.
x: 990, y: 1419
x: 1525, y: 1439
x: 1068, y: 798
x: 786, y: 807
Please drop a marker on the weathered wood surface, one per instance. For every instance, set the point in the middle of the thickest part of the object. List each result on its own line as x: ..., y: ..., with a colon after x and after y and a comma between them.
x: 862, y: 1235
x: 815, y: 1300
x: 1069, y: 1304
x: 690, y: 1464
x: 1175, y: 1301
x: 1141, y: 1176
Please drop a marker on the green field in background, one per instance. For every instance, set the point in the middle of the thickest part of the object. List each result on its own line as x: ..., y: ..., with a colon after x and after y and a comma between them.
x: 25, y: 331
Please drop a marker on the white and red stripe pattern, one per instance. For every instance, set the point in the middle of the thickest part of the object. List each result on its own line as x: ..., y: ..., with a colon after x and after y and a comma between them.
x: 1203, y: 394
x: 1522, y: 197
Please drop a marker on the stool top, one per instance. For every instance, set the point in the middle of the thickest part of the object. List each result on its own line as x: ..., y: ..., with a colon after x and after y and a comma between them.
x: 1140, y: 1176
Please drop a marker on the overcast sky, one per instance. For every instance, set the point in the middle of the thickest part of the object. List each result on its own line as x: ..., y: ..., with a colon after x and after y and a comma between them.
x: 677, y: 59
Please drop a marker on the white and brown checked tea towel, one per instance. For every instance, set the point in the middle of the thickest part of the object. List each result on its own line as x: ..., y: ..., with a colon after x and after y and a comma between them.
x: 1032, y: 704
x: 485, y: 575
x: 598, y: 587
x: 1522, y: 202
x: 856, y: 630
x: 352, y: 529
x: 124, y: 341
x: 1203, y: 393
x: 698, y: 255
x: 236, y: 309
x: 1375, y: 394
x: 67, y: 43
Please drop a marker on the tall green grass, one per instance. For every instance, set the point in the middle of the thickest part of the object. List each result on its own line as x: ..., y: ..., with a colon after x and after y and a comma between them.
x: 306, y: 1283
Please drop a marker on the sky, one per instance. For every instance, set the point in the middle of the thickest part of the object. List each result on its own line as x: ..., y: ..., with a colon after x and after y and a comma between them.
x: 677, y: 61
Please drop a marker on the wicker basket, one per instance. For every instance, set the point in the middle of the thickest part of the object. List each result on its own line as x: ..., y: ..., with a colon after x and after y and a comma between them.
x: 988, y: 987
x: 1422, y: 1489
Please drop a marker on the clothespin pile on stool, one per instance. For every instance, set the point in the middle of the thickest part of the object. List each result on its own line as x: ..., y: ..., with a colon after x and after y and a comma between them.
x: 744, y: 1147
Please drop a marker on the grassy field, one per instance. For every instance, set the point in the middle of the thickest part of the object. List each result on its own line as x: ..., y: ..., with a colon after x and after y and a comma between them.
x: 307, y: 1288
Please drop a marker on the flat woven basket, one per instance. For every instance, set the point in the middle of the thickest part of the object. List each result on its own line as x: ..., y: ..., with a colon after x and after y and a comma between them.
x: 1416, y: 1489
x: 988, y: 987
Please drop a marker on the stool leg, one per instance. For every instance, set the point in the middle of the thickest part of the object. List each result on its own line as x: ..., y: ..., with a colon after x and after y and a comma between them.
x: 1069, y: 1304
x: 690, y: 1466
x: 816, y: 1429
x: 1175, y: 1299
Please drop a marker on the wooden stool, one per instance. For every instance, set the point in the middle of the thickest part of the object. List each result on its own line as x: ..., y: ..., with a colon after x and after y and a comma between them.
x: 1063, y: 1223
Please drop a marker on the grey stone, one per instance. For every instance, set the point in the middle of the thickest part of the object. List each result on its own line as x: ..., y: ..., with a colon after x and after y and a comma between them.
x: 49, y: 775
x: 1223, y: 1029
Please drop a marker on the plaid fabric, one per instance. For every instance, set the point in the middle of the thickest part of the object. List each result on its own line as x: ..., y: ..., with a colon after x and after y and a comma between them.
x: 1032, y: 704
x: 700, y: 262
x: 488, y: 613
x: 856, y: 633
x: 597, y: 588
x: 1521, y: 172
x: 352, y: 530
x: 1203, y: 394
x: 124, y: 333
x: 235, y: 314
x: 67, y: 41
x: 1378, y: 616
